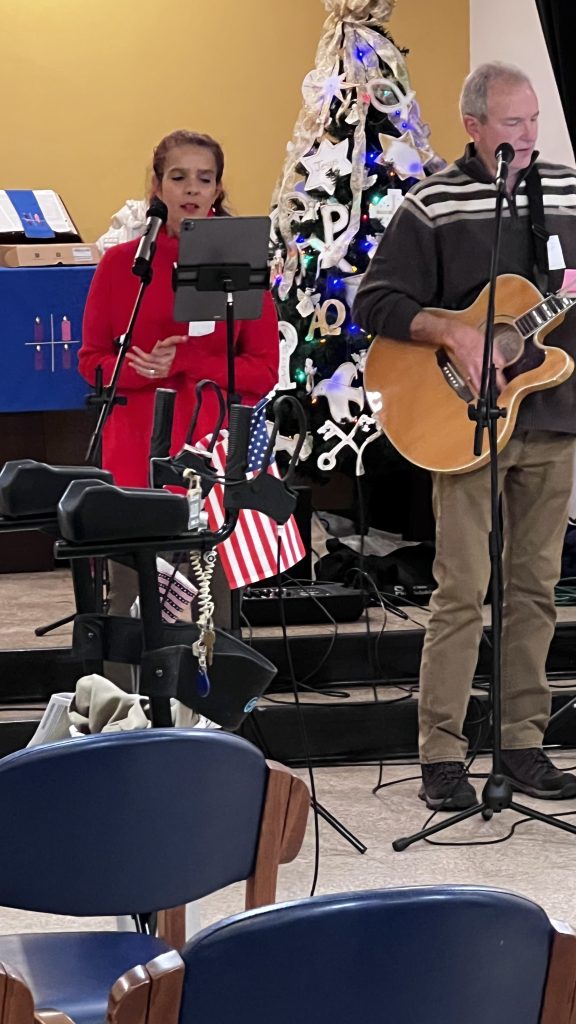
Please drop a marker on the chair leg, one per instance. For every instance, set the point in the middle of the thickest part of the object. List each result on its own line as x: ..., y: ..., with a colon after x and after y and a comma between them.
x: 559, y: 1005
x: 297, y: 814
x: 172, y: 926
x: 281, y: 832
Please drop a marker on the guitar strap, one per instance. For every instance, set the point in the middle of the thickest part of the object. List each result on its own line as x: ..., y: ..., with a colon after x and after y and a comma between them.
x: 540, y: 234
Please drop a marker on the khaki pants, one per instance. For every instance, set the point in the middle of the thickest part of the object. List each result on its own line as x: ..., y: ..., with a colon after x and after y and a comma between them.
x: 535, y: 480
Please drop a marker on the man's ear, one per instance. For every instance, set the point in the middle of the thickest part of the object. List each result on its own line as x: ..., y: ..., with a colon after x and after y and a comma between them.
x: 472, y: 126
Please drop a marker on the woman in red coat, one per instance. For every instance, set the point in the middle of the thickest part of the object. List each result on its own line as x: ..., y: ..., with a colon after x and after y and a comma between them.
x: 187, y: 177
x: 188, y: 170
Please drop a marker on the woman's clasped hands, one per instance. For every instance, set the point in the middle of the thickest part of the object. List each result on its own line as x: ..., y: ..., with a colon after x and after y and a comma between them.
x: 158, y: 362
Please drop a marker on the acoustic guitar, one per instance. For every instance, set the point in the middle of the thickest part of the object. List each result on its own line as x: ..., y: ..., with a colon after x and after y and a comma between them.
x: 420, y: 397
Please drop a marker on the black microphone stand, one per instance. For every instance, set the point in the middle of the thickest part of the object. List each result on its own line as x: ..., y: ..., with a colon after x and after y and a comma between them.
x: 105, y: 398
x: 497, y: 794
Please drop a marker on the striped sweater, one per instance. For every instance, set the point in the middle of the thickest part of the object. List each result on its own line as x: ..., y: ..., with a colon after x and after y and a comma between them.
x: 436, y: 252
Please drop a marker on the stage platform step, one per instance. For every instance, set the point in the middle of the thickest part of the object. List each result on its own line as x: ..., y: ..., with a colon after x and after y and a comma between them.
x: 360, y: 724
x: 347, y: 656
x: 365, y: 731
x: 357, y: 730
x: 385, y: 653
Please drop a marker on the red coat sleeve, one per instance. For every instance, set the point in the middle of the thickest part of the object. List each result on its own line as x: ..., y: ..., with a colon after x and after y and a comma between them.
x: 98, y: 330
x: 257, y: 351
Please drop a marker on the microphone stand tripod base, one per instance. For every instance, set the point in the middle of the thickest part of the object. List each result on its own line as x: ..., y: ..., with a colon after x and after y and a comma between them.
x: 496, y: 797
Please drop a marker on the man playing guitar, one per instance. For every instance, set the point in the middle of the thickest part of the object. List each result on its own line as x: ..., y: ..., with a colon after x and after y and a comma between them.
x: 436, y: 253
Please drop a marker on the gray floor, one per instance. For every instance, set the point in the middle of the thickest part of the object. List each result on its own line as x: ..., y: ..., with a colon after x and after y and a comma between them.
x: 538, y: 860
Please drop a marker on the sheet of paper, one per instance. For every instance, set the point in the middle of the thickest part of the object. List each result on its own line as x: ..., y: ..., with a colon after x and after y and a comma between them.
x: 556, y: 259
x: 9, y: 219
x: 197, y: 328
x: 54, y: 210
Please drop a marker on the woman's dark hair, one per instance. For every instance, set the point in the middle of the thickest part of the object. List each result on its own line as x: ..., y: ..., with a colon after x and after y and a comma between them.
x: 182, y: 137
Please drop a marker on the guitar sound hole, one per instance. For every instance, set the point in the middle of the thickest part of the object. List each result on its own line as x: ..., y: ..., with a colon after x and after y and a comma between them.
x: 520, y: 354
x: 508, y: 342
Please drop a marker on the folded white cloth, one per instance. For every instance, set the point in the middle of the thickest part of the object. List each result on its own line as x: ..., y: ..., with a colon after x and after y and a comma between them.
x: 127, y: 223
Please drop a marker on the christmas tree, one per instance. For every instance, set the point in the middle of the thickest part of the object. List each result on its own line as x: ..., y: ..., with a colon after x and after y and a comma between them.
x: 359, y: 143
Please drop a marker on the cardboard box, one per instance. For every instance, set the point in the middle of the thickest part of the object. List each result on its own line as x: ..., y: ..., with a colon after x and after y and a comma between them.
x: 49, y: 254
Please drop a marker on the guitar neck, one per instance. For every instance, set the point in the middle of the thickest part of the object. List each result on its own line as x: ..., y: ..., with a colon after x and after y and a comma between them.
x: 545, y: 312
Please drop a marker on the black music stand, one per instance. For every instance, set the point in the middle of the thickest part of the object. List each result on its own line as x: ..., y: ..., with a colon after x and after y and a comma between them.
x: 222, y: 274
x: 221, y: 258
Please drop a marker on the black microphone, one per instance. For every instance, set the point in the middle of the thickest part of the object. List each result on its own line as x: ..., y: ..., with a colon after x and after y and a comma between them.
x: 156, y: 216
x: 504, y: 156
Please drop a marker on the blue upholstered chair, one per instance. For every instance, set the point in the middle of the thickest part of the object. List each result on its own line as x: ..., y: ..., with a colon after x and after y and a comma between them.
x: 443, y: 955
x: 130, y: 823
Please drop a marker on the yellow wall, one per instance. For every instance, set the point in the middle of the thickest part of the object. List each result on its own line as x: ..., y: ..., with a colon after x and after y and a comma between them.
x: 437, y: 34
x: 89, y: 86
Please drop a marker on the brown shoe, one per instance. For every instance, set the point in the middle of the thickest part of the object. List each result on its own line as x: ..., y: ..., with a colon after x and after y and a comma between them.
x: 531, y: 771
x: 445, y: 787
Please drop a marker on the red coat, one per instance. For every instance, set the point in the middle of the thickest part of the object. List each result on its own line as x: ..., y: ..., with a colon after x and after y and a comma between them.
x: 109, y: 305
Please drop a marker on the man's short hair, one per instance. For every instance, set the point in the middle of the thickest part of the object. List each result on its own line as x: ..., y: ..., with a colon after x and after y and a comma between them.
x: 474, y: 95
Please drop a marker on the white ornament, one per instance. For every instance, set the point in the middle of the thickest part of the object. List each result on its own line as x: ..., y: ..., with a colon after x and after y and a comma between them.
x: 319, y: 91
x: 335, y: 217
x: 352, y: 117
x: 397, y: 99
x: 288, y: 444
x: 320, y: 322
x: 288, y: 344
x: 330, y: 159
x: 367, y: 427
x: 339, y: 393
x: 332, y: 88
x: 310, y: 370
x: 369, y: 180
x: 351, y: 286
x: 402, y: 154
x: 386, y: 207
x: 360, y: 359
x: 372, y: 246
x: 328, y: 256
x: 300, y: 206
x: 307, y: 301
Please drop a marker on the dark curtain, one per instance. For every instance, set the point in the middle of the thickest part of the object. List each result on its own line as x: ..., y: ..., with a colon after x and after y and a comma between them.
x: 558, y: 19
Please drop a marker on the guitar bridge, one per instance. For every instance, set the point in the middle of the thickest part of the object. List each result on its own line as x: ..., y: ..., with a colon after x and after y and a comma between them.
x: 452, y: 376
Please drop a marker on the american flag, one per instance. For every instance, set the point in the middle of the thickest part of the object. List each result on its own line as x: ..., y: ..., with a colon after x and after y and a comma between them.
x: 251, y: 552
